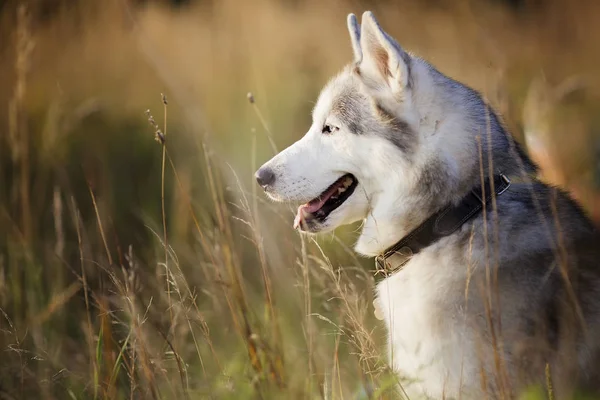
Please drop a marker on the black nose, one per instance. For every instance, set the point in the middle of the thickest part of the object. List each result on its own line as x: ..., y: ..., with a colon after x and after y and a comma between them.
x: 265, y: 177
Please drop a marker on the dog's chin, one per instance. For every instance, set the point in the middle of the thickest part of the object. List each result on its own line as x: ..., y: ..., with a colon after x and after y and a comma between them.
x: 314, y: 227
x: 337, y: 218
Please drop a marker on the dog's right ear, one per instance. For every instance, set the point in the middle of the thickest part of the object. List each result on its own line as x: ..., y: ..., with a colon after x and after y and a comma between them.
x: 354, y: 30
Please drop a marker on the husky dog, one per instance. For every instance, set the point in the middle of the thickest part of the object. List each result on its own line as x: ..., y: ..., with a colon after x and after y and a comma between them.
x: 492, y: 277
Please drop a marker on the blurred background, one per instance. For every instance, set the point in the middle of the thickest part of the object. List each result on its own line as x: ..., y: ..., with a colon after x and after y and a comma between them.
x: 137, y: 257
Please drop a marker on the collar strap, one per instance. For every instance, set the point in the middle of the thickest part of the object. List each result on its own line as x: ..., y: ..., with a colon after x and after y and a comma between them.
x: 441, y: 224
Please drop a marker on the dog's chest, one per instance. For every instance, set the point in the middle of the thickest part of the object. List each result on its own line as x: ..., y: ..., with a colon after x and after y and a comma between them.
x: 421, y: 306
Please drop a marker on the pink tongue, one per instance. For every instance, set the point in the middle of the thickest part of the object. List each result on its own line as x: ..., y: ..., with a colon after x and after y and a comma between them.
x: 313, y: 206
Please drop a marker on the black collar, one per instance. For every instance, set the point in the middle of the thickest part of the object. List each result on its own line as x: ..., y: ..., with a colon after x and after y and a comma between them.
x: 441, y: 224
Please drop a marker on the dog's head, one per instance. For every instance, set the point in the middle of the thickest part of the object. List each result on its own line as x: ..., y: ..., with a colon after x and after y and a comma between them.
x: 365, y: 151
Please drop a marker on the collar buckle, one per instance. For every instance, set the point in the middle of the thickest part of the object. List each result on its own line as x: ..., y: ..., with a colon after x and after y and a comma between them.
x: 393, y: 260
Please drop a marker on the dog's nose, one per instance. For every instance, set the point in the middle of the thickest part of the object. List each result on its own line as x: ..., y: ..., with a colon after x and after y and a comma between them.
x: 265, y: 176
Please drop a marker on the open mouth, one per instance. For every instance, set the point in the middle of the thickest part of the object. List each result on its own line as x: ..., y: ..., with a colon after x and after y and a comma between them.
x: 320, y: 207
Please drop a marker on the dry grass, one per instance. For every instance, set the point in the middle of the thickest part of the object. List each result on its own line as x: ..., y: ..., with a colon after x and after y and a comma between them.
x: 136, y: 269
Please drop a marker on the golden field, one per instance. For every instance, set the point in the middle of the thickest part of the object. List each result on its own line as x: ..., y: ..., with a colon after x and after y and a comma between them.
x: 132, y: 267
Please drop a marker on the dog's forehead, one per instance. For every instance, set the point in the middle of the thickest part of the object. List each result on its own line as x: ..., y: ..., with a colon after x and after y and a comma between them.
x: 341, y: 93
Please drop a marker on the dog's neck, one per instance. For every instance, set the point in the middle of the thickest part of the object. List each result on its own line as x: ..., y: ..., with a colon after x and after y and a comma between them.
x: 380, y: 230
x: 399, y: 209
x: 443, y: 223
x: 382, y: 233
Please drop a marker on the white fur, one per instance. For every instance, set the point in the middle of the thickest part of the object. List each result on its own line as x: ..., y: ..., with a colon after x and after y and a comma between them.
x: 428, y: 342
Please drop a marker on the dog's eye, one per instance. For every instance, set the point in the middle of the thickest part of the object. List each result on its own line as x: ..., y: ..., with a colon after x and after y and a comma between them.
x: 327, y: 128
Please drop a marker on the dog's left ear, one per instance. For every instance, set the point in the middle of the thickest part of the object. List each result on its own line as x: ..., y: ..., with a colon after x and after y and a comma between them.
x: 354, y: 30
x: 383, y: 60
